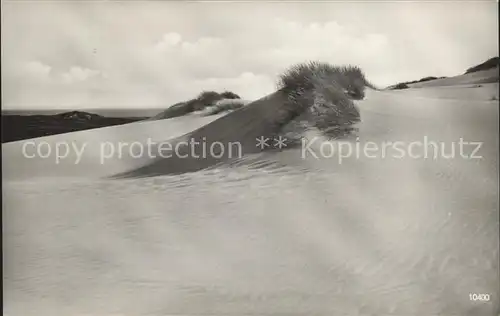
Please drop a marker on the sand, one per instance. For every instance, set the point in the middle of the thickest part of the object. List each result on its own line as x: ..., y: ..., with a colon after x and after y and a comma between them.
x: 377, y: 236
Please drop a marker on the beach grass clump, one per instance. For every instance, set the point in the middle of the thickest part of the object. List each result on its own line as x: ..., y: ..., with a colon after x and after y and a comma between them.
x: 325, y: 92
x: 208, y: 98
x: 348, y: 77
x: 229, y: 95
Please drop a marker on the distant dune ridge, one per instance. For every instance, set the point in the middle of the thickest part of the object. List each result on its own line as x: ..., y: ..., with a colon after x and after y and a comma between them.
x: 490, y: 63
x: 204, y: 100
x: 405, y: 85
x: 317, y: 92
x: 488, y: 74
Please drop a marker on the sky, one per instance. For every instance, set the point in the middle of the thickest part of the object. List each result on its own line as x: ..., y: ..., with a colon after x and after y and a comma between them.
x: 143, y: 54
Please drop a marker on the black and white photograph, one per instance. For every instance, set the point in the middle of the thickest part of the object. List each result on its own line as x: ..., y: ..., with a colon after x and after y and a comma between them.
x: 254, y: 158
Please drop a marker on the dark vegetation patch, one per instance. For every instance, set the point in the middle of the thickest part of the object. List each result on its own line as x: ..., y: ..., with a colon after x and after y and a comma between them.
x: 20, y: 127
x: 400, y: 86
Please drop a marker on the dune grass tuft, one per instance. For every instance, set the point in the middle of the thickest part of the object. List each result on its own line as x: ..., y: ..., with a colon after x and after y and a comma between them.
x: 229, y: 95
x: 209, y: 97
x: 326, y: 92
x: 348, y: 77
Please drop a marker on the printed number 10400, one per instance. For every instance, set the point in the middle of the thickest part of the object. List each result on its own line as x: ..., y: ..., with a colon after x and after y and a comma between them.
x: 479, y: 297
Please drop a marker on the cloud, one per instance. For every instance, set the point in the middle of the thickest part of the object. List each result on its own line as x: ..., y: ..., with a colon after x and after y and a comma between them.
x: 284, y: 42
x: 79, y: 74
x: 35, y: 84
x: 35, y: 70
x: 215, y: 59
x: 168, y: 41
x: 328, y: 41
x: 168, y: 52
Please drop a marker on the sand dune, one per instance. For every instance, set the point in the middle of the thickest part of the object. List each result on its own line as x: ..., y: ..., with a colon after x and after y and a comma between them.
x: 377, y: 236
x: 479, y: 77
